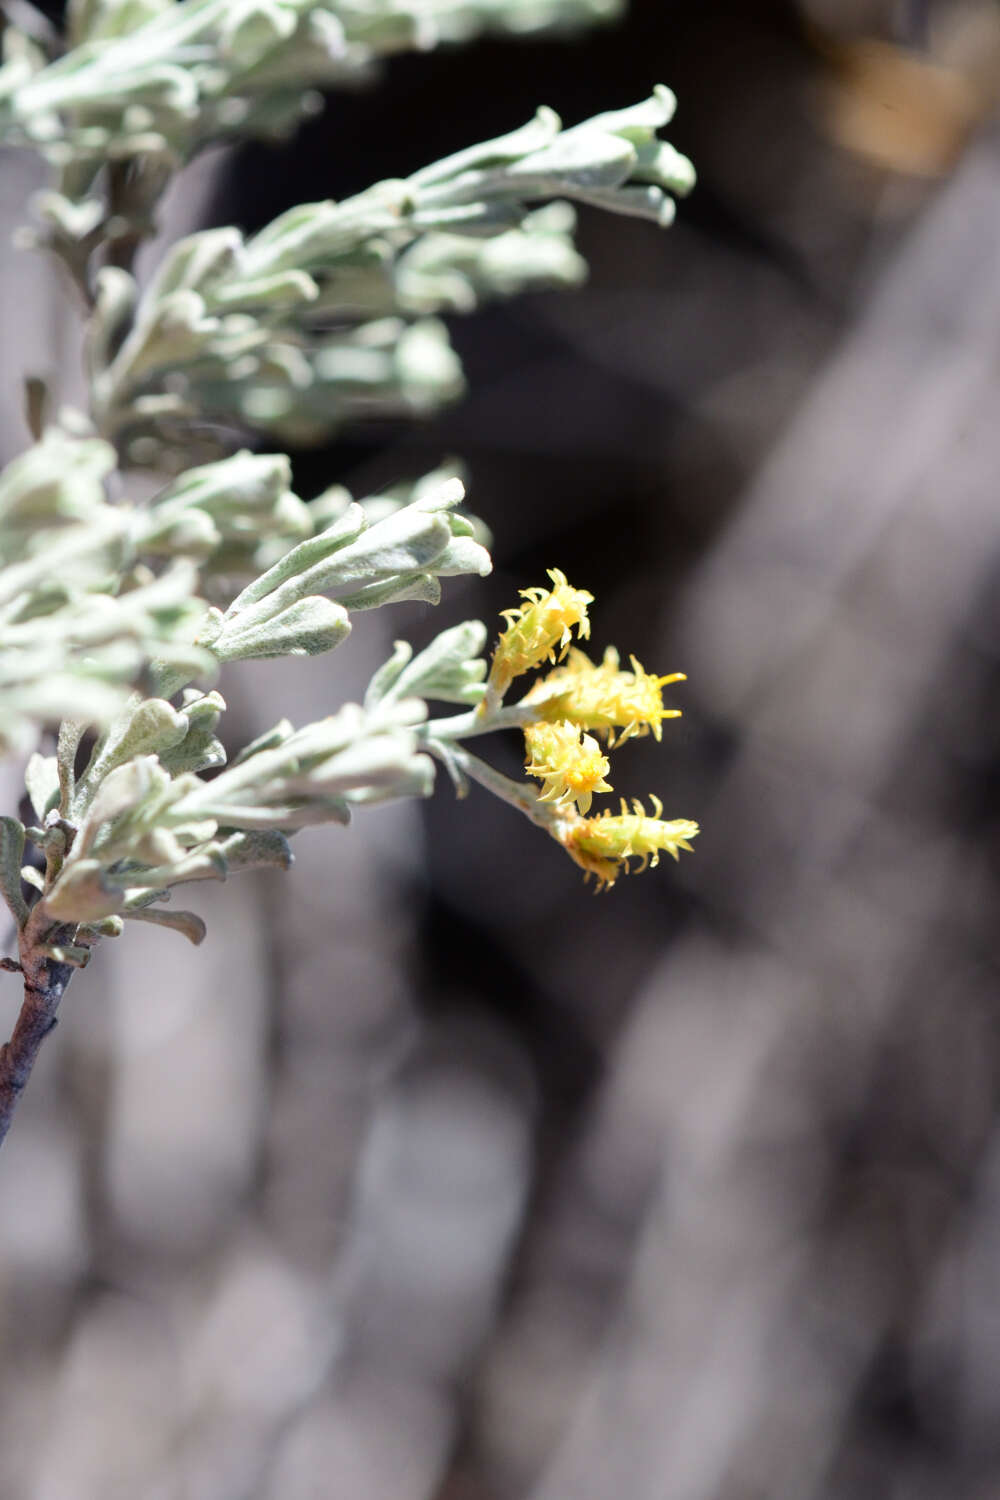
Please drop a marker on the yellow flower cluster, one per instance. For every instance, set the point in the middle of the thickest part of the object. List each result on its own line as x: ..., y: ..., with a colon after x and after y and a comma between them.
x: 569, y: 763
x: 576, y: 697
x: 604, y: 845
x: 536, y: 629
x: 605, y: 698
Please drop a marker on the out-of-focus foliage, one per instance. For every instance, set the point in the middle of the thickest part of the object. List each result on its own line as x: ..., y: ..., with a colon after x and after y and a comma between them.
x: 85, y: 616
x: 321, y: 317
x: 159, y: 79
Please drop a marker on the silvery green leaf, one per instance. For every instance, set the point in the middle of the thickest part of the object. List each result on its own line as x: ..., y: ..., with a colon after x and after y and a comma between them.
x: 421, y: 588
x: 594, y: 162
x: 118, y: 77
x: 311, y: 774
x: 148, y: 726
x: 252, y: 30
x: 660, y: 163
x: 72, y: 221
x: 299, y: 560
x: 454, y: 271
x: 177, y: 332
x: 459, y: 20
x: 131, y: 816
x: 639, y: 122
x: 111, y: 927
x: 288, y: 817
x: 315, y: 234
x: 115, y: 297
x: 230, y: 508
x: 129, y: 67
x: 244, y: 484
x: 329, y: 507
x: 283, y: 289
x: 463, y: 555
x: 68, y: 740
x: 80, y: 894
x: 449, y: 669
x: 199, y: 750
x: 383, y: 762
x: 409, y: 541
x: 394, y: 558
x: 75, y: 955
x: 635, y: 202
x: 23, y: 55
x: 95, y: 20
x: 360, y: 565
x: 445, y: 752
x: 534, y: 136
x: 257, y: 850
x: 11, y: 855
x: 58, y: 481
x: 41, y: 778
x: 416, y: 781
x: 576, y: 159
x: 308, y: 627
x: 195, y: 262
x: 187, y: 923
x: 18, y: 731
x: 186, y: 533
x: 182, y: 867
x: 26, y: 705
x: 387, y: 675
x: 120, y: 791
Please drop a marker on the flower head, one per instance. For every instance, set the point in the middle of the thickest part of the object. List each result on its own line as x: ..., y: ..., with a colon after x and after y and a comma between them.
x: 536, y: 630
x: 604, y: 845
x: 569, y: 763
x: 605, y: 698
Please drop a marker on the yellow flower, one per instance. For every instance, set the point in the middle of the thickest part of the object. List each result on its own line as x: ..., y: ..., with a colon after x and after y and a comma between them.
x: 569, y: 763
x: 602, y: 846
x: 605, y: 698
x: 536, y: 629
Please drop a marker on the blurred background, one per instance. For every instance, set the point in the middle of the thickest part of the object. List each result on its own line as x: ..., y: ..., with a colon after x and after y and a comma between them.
x: 433, y: 1177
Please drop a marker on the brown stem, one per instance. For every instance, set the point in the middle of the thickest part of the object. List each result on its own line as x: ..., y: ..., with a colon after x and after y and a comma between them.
x: 36, y: 1020
x: 122, y: 250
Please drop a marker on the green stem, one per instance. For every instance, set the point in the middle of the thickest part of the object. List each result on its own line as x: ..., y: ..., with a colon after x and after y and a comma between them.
x: 45, y: 981
x: 465, y: 726
x: 519, y: 795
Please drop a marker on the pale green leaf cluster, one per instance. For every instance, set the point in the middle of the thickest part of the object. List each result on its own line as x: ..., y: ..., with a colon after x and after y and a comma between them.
x: 85, y: 614
x: 328, y: 313
x: 140, y: 819
x: 160, y: 78
x: 80, y: 615
x: 117, y: 613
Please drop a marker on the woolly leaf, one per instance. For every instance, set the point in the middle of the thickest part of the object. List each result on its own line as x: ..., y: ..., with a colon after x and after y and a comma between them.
x: 41, y: 778
x: 187, y: 923
x: 11, y: 853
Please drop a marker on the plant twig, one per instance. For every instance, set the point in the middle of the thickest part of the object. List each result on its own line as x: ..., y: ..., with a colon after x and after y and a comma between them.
x: 465, y: 726
x: 36, y: 1020
x: 523, y: 797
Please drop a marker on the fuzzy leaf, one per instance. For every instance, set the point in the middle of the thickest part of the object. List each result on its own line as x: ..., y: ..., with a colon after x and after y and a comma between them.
x: 81, y: 894
x: 385, y: 679
x: 306, y: 628
x: 187, y: 923
x: 11, y: 854
x: 41, y: 778
x: 255, y: 851
x: 449, y: 669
